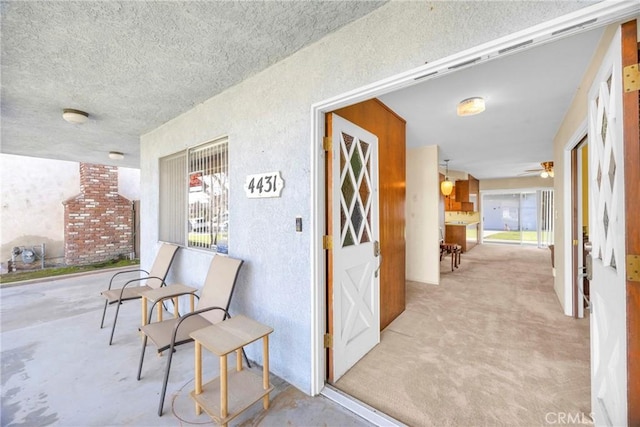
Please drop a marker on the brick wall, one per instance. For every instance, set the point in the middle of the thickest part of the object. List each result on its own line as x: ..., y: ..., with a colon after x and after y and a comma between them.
x: 98, y: 222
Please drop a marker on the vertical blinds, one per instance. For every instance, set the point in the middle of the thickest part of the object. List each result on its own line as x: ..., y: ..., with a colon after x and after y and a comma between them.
x: 545, y: 229
x: 172, y: 198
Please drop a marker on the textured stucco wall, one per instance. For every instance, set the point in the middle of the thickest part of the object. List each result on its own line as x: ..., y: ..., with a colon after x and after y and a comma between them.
x: 32, y: 191
x: 129, y: 183
x: 267, y: 119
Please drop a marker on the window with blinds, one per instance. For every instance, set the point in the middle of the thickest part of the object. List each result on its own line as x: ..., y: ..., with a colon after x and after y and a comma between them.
x: 194, y: 197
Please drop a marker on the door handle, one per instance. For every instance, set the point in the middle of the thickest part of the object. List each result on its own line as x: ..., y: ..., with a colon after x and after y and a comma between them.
x: 377, y: 254
x: 588, y: 246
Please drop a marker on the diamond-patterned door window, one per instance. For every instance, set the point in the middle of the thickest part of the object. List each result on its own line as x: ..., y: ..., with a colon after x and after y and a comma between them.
x: 605, y: 124
x: 612, y: 170
x: 355, y: 216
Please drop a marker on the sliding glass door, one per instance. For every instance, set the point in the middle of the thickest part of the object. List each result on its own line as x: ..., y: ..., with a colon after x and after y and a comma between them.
x: 522, y: 217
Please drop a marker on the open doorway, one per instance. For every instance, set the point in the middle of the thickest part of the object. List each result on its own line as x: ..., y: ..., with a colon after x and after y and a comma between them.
x: 320, y: 109
x: 580, y: 228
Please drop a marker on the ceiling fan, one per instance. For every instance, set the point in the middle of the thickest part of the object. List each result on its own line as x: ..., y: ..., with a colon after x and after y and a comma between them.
x: 545, y: 172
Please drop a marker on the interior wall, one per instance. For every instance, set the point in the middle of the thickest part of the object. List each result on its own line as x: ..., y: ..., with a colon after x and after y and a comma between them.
x: 423, y: 249
x: 569, y: 134
x: 267, y: 119
x: 516, y: 183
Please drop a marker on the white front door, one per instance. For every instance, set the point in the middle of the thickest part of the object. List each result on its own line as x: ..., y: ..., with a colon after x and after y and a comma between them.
x: 607, y: 233
x: 355, y: 224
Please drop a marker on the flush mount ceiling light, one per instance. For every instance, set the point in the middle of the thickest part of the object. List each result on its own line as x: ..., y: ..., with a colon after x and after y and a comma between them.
x: 116, y: 155
x: 471, y: 106
x: 75, y: 116
x: 446, y: 186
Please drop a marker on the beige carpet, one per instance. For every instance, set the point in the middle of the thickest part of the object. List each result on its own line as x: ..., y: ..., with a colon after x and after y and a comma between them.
x: 489, y: 346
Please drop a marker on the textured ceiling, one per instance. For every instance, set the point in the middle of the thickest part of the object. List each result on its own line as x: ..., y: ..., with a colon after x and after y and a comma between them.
x: 135, y: 65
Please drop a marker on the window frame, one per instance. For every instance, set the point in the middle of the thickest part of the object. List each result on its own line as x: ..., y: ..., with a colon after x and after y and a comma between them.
x: 193, y: 183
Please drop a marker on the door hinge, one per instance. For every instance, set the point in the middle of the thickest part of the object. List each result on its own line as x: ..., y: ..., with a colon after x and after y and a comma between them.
x: 575, y: 242
x: 327, y: 242
x: 631, y: 78
x: 328, y: 341
x: 327, y: 143
x: 633, y: 268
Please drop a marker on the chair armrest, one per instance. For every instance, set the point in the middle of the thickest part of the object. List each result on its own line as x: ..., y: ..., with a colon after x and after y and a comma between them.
x: 122, y: 272
x: 139, y: 279
x: 166, y: 292
x: 169, y: 291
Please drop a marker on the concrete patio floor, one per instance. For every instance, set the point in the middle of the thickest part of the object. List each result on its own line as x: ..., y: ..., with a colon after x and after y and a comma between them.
x: 58, y: 369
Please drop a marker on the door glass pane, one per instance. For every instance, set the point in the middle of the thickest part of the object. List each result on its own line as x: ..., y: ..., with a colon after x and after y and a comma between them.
x: 528, y: 218
x: 355, y: 208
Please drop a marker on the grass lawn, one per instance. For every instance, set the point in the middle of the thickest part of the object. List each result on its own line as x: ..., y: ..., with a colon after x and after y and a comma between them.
x: 59, y: 271
x: 204, y: 239
x: 527, y: 236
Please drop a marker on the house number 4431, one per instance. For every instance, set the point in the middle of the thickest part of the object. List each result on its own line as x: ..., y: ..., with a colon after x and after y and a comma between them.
x: 263, y: 185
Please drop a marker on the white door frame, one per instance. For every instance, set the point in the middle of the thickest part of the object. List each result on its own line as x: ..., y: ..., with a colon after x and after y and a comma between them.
x: 585, y: 19
x: 569, y: 271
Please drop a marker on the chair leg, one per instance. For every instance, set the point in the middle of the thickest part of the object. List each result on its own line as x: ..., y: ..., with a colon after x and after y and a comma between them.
x: 106, y: 302
x: 144, y: 346
x: 246, y: 358
x: 166, y: 380
x: 453, y: 256
x: 115, y: 319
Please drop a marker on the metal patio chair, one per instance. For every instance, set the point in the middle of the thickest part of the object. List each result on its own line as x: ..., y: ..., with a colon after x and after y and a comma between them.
x: 153, y: 279
x: 213, y: 306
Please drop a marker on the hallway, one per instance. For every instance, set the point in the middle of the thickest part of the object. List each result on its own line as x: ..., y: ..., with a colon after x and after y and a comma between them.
x: 489, y: 346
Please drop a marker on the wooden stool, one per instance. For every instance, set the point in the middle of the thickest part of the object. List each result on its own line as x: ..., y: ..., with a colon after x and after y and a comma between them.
x: 455, y: 250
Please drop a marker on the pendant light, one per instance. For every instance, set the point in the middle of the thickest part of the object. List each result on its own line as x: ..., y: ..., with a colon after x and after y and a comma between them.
x: 446, y: 186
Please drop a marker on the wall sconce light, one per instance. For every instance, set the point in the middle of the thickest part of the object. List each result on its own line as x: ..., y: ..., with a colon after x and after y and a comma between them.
x: 75, y: 116
x: 116, y: 155
x: 446, y: 186
x: 471, y: 106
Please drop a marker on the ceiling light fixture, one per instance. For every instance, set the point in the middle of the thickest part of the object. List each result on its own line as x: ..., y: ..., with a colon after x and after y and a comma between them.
x: 547, y: 170
x: 446, y: 186
x: 116, y: 155
x: 471, y: 106
x: 75, y: 116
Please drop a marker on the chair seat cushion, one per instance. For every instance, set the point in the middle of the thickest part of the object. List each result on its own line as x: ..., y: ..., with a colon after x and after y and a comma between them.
x: 160, y: 333
x: 130, y: 293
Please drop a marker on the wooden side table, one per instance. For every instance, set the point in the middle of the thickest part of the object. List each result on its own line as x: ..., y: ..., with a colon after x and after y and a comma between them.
x: 234, y: 391
x: 165, y: 292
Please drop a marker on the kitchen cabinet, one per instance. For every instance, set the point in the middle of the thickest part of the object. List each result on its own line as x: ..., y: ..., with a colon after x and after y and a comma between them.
x: 461, y: 191
x: 464, y: 196
x: 465, y: 235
